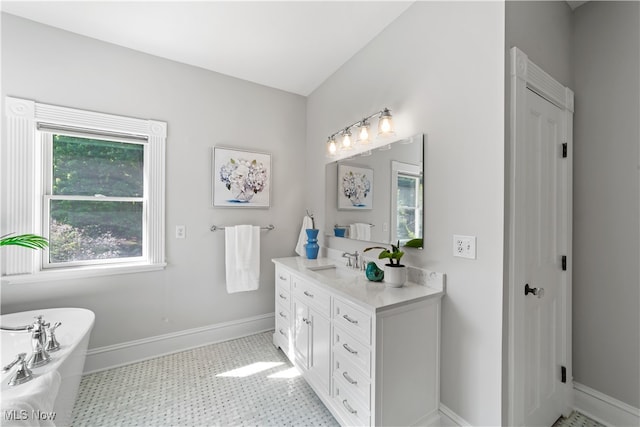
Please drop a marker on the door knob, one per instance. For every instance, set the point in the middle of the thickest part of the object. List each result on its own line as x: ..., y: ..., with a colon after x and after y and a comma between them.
x: 539, y: 292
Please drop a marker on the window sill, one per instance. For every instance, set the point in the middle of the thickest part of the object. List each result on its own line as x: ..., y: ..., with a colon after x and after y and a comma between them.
x: 79, y: 273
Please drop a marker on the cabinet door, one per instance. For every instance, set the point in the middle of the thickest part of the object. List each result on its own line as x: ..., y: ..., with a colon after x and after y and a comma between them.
x: 301, y: 333
x: 320, y: 350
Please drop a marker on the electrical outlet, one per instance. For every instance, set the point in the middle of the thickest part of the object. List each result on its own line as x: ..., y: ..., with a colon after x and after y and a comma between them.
x: 464, y: 246
x: 181, y: 231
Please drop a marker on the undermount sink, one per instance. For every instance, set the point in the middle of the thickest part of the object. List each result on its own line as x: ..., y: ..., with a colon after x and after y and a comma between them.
x: 330, y: 271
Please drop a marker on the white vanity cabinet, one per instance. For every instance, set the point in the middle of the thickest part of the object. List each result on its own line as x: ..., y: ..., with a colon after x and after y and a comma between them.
x: 370, y: 353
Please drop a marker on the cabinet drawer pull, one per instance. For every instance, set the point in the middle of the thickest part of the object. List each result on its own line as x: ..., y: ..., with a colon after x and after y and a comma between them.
x: 282, y: 296
x: 282, y: 278
x: 349, y: 349
x: 349, y: 319
x: 308, y: 294
x: 282, y: 332
x: 283, y: 315
x: 348, y: 378
x: 349, y: 408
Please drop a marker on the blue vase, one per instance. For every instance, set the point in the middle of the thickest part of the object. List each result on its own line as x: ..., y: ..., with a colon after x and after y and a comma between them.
x: 312, y: 246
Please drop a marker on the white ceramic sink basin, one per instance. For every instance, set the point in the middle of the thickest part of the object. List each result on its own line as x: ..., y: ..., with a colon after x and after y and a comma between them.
x: 330, y: 271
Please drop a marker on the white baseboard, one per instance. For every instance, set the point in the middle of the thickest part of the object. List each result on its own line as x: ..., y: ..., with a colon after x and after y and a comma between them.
x: 102, y: 358
x: 448, y: 418
x: 604, y: 409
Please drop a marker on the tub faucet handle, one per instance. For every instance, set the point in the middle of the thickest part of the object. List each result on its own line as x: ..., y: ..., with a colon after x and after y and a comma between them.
x: 52, y: 342
x: 15, y: 361
x: 23, y: 373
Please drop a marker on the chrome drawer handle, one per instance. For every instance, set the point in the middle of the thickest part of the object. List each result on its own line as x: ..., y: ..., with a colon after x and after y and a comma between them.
x: 281, y: 332
x: 348, y: 378
x: 349, y: 408
x: 346, y: 316
x: 282, y: 296
x: 282, y: 278
x: 308, y: 294
x: 349, y: 349
x: 283, y: 315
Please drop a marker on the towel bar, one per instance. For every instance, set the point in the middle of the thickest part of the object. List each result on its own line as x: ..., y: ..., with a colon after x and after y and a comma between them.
x: 346, y: 226
x: 268, y: 227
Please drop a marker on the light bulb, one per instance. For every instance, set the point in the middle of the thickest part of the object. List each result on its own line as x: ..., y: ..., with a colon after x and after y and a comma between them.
x: 385, y: 123
x: 363, y: 133
x: 346, y: 140
x: 331, y: 147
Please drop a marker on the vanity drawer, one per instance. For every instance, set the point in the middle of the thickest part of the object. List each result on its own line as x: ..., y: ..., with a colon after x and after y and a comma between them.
x: 283, y: 297
x: 352, y: 379
x: 352, y: 350
x: 283, y: 315
x: 354, y: 321
x: 312, y: 296
x: 351, y: 409
x: 283, y: 278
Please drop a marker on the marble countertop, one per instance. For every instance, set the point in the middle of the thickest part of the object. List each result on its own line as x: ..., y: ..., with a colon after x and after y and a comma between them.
x: 354, y: 285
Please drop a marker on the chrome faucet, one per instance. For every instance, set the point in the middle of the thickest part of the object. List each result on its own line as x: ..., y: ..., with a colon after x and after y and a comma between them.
x: 38, y: 330
x: 355, y: 257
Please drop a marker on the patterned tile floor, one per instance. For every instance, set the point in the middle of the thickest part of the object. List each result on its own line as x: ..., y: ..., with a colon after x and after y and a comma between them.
x: 246, y: 381
x: 576, y: 419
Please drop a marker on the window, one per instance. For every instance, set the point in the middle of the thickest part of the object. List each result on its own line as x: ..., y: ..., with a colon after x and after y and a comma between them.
x: 409, y: 200
x: 94, y: 200
x: 406, y: 188
x: 94, y: 186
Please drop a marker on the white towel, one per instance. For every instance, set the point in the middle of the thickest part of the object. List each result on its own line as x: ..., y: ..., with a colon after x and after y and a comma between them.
x: 22, y: 402
x: 302, y: 238
x: 242, y: 258
x: 360, y: 231
x: 353, y: 231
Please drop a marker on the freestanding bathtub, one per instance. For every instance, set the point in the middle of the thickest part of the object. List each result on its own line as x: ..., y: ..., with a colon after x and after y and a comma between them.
x: 68, y: 361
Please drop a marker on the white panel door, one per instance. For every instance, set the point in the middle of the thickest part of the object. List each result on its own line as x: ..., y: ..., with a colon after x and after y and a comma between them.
x: 545, y: 234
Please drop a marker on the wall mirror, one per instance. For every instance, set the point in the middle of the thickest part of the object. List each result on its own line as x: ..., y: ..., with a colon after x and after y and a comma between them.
x: 377, y: 195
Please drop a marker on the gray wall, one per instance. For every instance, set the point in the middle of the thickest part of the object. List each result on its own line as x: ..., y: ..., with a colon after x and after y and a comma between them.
x: 606, y: 229
x: 202, y: 109
x: 439, y: 67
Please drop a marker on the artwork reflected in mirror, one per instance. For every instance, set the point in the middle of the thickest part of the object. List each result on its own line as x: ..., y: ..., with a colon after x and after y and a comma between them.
x: 377, y: 196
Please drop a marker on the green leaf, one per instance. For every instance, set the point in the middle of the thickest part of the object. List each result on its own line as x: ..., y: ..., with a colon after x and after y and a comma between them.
x: 414, y: 243
x: 30, y: 241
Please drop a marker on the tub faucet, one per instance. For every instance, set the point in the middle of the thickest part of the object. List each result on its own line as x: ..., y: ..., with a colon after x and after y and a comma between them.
x: 38, y: 330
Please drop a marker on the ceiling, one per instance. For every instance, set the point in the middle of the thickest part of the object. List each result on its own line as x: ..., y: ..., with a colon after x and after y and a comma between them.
x: 291, y: 45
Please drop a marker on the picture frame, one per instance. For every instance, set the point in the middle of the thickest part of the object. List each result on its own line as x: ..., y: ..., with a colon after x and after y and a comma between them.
x: 355, y: 187
x: 241, y: 178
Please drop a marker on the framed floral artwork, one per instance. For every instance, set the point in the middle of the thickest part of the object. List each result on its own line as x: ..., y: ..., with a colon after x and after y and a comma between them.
x: 241, y: 178
x: 355, y: 187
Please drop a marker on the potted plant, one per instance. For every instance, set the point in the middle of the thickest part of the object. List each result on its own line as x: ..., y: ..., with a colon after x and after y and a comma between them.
x: 395, y: 274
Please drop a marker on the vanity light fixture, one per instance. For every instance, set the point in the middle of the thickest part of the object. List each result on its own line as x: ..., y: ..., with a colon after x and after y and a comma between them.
x: 385, y: 128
